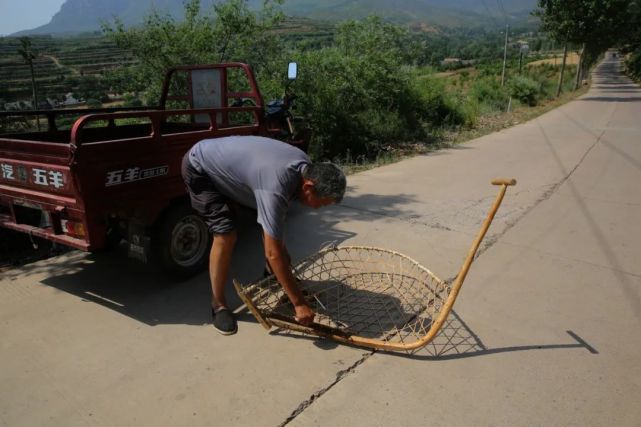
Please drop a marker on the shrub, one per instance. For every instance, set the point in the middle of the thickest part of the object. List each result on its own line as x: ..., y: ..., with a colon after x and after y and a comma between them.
x: 489, y: 93
x: 438, y: 107
x: 525, y: 89
x: 356, y: 96
x: 547, y: 78
x: 633, y: 65
x: 94, y: 103
x: 131, y: 101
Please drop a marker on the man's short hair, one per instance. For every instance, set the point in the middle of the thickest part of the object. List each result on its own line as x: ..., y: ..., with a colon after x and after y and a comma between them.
x: 329, y: 180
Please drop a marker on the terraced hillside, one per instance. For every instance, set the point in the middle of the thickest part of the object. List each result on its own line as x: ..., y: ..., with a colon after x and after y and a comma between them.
x: 62, y: 66
x: 306, y: 33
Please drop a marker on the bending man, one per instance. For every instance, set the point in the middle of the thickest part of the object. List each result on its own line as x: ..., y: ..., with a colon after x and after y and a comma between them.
x: 266, y: 175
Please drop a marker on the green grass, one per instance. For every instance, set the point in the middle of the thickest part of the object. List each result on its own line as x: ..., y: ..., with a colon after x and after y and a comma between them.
x: 484, y: 121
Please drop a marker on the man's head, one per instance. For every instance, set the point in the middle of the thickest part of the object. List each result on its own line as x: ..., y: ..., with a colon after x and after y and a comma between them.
x: 323, y: 184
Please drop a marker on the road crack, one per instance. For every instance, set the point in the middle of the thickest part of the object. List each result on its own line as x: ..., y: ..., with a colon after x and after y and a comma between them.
x: 340, y: 375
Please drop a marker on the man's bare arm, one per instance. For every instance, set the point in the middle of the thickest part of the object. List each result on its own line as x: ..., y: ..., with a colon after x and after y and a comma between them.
x: 278, y: 259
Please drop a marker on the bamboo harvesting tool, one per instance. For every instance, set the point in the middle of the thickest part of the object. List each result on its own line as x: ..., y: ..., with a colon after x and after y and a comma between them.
x: 366, y: 296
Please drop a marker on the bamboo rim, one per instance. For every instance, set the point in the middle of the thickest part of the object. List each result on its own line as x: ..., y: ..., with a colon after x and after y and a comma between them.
x: 273, y: 319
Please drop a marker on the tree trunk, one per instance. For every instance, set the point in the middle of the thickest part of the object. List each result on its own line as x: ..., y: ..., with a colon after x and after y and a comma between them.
x: 520, y: 61
x: 565, y: 58
x: 34, y: 93
x: 579, y: 68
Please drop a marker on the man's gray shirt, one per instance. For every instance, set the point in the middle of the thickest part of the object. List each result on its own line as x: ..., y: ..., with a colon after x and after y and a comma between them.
x: 254, y: 171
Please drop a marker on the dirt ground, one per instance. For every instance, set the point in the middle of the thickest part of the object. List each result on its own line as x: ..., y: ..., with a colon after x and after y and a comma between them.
x: 573, y: 59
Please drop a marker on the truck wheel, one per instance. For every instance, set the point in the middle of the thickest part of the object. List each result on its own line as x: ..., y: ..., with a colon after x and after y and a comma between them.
x: 181, y: 243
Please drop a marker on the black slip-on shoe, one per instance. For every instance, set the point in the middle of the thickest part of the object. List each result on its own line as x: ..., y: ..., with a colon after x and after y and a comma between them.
x: 224, y: 321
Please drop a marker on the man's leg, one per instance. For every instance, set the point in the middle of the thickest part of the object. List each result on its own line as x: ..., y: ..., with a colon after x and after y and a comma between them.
x: 219, y: 262
x: 215, y: 210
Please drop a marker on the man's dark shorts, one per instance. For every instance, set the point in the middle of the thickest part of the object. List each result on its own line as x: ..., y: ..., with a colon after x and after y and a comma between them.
x: 215, y: 208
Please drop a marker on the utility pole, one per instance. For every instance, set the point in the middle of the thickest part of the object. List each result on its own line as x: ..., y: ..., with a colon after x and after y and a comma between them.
x: 579, y: 68
x: 524, y: 49
x: 29, y: 55
x: 565, y: 56
x: 507, y: 29
x: 521, y: 61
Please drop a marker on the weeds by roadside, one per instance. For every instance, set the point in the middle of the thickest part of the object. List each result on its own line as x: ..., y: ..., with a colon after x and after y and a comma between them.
x: 485, y: 124
x: 495, y: 122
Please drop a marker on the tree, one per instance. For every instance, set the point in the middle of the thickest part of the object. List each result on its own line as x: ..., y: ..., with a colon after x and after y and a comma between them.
x: 631, y: 44
x: 28, y: 54
x: 90, y: 87
x: 593, y: 24
x: 359, y: 95
x: 229, y: 31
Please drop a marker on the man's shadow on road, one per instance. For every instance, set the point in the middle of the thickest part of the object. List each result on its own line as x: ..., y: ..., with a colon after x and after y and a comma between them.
x: 145, y: 294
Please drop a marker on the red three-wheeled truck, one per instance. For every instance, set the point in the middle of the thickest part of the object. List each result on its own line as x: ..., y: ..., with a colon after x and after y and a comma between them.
x: 115, y: 174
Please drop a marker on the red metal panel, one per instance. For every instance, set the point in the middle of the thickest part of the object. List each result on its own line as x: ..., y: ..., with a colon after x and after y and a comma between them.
x: 54, y: 179
x: 7, y: 222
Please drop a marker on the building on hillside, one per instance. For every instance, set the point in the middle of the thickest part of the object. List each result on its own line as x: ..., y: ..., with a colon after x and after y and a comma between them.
x: 451, y: 61
x: 523, y: 47
x: 70, y: 100
x: 18, y: 106
x: 457, y: 62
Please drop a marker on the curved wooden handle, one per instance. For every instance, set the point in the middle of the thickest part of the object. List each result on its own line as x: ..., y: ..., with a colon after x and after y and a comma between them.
x: 504, y: 181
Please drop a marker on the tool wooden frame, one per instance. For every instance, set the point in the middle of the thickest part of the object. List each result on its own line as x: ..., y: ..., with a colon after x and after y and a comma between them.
x: 273, y: 319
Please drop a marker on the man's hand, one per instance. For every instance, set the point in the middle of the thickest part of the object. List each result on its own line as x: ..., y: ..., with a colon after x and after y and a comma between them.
x: 304, y: 314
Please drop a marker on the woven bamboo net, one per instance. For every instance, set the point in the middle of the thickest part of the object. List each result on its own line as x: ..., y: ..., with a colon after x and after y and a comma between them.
x: 367, y: 296
x: 360, y: 291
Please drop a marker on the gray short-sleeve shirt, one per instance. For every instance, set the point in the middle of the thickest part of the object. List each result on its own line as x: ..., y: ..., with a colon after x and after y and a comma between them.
x: 258, y: 172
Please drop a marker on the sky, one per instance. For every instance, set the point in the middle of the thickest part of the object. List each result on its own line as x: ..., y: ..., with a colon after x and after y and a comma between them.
x: 18, y: 15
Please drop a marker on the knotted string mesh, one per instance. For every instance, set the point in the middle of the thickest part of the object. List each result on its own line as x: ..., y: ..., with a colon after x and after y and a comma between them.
x: 361, y: 291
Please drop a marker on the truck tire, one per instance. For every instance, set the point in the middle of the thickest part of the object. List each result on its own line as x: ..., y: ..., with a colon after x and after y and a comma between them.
x: 181, y: 242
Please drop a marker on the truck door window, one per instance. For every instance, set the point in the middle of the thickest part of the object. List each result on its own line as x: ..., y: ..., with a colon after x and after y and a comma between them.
x: 177, y: 92
x: 207, y: 92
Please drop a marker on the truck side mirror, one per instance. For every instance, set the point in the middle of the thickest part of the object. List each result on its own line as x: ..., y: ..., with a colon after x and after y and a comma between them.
x: 292, y: 71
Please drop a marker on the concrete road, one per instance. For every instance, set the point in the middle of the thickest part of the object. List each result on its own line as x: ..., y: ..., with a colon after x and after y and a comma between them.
x: 545, y: 331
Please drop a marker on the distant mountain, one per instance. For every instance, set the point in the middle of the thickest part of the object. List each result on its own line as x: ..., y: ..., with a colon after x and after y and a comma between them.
x: 440, y: 12
x: 309, y: 8
x: 86, y: 15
